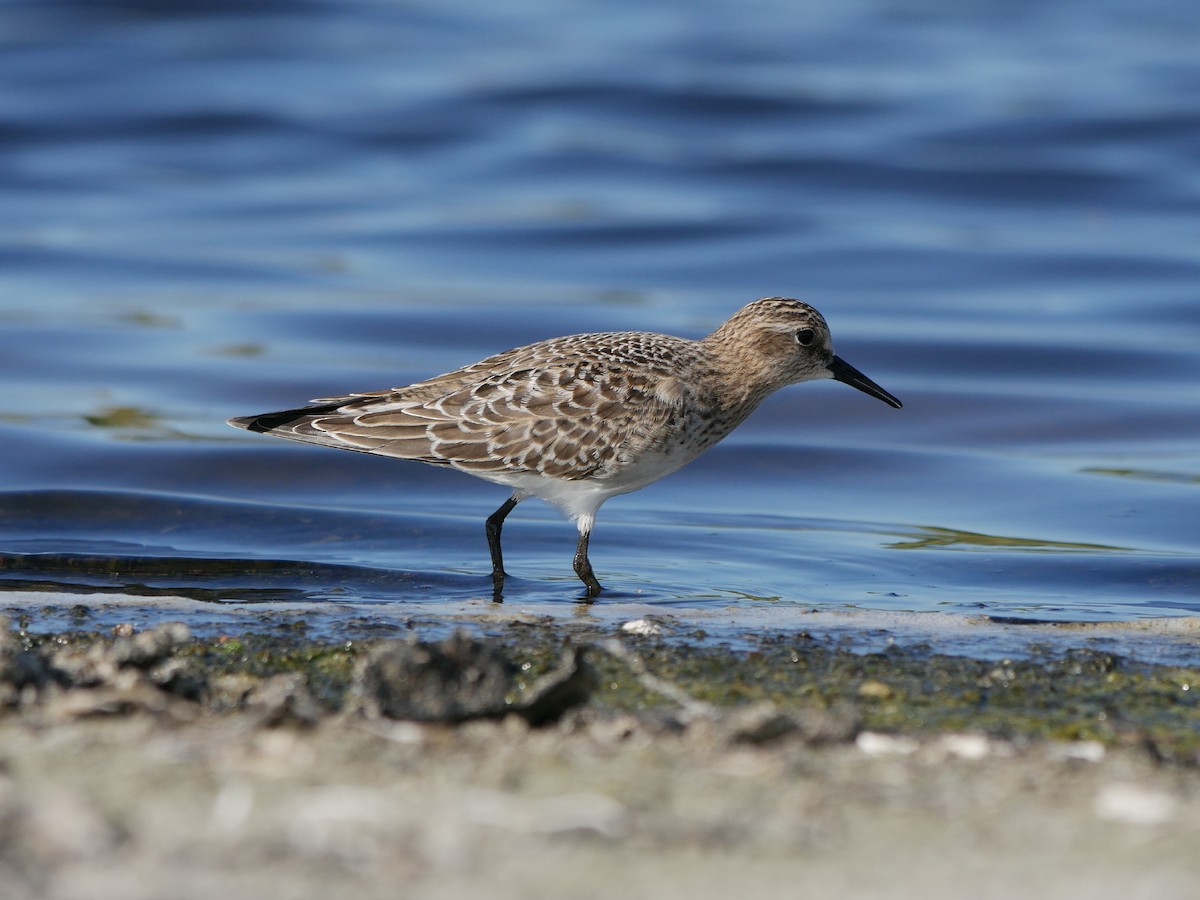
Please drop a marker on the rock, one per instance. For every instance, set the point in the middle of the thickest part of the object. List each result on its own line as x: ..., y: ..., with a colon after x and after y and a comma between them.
x: 283, y: 698
x: 21, y: 670
x: 568, y: 686
x: 148, y: 647
x: 458, y: 679
x: 759, y: 723
x: 462, y: 678
x: 275, y: 700
x: 642, y: 627
x: 874, y: 689
x: 102, y: 663
x: 125, y: 696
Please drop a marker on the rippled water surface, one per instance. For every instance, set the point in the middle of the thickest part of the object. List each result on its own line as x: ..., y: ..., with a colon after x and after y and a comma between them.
x: 215, y: 209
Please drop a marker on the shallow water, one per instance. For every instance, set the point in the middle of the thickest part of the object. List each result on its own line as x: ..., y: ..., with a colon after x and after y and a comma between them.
x: 215, y: 210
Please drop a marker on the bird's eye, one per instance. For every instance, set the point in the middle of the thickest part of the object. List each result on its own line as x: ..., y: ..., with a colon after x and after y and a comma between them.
x: 805, y: 337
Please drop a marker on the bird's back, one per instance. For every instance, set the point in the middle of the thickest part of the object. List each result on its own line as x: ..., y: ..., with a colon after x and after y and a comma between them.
x: 569, y: 408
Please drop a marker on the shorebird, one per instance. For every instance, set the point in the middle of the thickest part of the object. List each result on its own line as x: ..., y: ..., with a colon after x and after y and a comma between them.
x: 576, y: 420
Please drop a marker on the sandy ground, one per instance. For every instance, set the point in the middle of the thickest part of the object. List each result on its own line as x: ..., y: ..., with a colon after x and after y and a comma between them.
x: 128, y: 772
x: 126, y: 807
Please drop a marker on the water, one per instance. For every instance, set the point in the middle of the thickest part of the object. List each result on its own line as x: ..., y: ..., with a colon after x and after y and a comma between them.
x: 218, y: 209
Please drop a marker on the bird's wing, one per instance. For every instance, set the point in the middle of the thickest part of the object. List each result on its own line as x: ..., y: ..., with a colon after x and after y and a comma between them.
x: 564, y: 408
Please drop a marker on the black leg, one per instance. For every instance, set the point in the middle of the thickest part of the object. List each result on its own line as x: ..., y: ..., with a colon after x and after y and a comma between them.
x: 495, y: 522
x: 583, y: 567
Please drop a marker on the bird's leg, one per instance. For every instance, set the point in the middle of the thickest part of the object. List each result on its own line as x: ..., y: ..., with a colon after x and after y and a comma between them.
x: 583, y: 567
x: 495, y: 522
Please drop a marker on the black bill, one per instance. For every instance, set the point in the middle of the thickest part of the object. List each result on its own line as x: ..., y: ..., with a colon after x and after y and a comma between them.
x: 845, y: 373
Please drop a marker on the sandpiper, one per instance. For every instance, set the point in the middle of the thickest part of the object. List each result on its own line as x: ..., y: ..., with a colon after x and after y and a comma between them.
x: 576, y: 420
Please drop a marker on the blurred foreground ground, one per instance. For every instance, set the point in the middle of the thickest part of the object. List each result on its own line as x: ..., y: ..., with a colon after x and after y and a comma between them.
x: 155, y: 765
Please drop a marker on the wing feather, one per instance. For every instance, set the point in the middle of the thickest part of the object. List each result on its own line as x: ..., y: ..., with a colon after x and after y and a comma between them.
x: 566, y: 408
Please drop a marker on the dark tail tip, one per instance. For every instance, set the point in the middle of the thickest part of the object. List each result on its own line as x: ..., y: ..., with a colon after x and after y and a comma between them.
x: 267, y: 422
x: 264, y: 423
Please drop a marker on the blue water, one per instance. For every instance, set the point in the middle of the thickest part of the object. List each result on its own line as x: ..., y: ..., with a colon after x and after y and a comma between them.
x: 215, y: 209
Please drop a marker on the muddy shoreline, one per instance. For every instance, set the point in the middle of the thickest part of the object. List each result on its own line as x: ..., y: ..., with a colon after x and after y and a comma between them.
x: 157, y: 763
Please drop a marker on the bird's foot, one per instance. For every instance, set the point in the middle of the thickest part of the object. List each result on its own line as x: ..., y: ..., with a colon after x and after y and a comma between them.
x: 592, y: 586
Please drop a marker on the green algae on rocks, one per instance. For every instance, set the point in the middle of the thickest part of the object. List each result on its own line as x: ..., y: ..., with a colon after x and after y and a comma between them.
x: 1081, y: 695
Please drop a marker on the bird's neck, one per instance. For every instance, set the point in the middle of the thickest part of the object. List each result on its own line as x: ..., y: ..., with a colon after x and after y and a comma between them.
x: 741, y: 382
